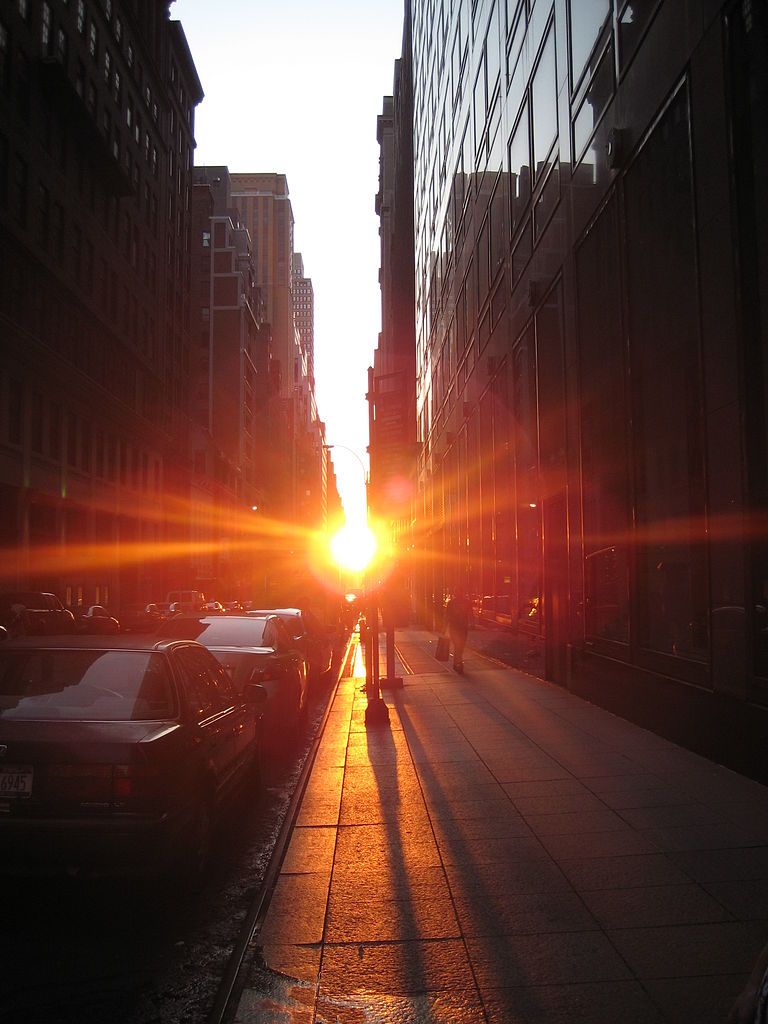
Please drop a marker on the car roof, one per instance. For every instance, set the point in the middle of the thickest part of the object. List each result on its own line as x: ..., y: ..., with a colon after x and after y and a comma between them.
x: 133, y: 642
x: 294, y: 612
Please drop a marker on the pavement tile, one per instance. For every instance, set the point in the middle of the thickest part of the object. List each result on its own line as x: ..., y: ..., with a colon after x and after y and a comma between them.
x: 296, y: 911
x: 513, y: 771
x: 552, y: 958
x: 394, y: 968
x: 356, y: 918
x: 723, y: 865
x: 747, y: 901
x: 575, y: 823
x: 300, y: 961
x: 598, y: 844
x: 533, y: 913
x: 589, y: 874
x: 554, y: 803
x: 447, y: 773
x: 456, y: 831
x: 702, y: 837
x: 608, y: 1002
x: 356, y: 880
x: 654, y: 906
x: 602, y: 785
x: 358, y: 808
x: 501, y: 850
x: 706, y: 1000
x: 537, y: 874
x: 672, y: 816
x: 643, y: 797
x: 691, y: 950
x: 426, y: 1008
x: 486, y: 801
x: 387, y: 843
x: 310, y: 850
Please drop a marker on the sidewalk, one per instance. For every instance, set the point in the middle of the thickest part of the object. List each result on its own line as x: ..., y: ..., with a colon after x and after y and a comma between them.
x: 505, y: 852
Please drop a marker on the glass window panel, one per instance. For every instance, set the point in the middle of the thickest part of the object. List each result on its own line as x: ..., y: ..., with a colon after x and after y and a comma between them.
x: 528, y: 511
x: 544, y: 104
x: 596, y: 100
x: 632, y: 23
x: 547, y: 201
x: 587, y: 20
x: 520, y: 168
x: 493, y: 50
x: 663, y: 311
x: 516, y: 22
x: 522, y: 251
x: 604, y: 452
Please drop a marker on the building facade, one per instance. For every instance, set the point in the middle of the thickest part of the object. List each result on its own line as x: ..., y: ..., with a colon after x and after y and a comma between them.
x: 590, y: 249
x: 96, y: 139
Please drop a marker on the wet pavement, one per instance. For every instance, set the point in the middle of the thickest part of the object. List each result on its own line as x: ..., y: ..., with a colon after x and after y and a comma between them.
x: 505, y: 852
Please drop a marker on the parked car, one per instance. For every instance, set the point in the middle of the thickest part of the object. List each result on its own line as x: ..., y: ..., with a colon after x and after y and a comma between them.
x: 97, y: 620
x: 253, y: 649
x: 139, y: 618
x: 213, y: 607
x: 310, y: 635
x: 34, y: 613
x: 117, y: 753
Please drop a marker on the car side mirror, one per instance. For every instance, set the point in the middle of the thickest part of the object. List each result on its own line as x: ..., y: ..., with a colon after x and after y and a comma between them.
x: 255, y: 694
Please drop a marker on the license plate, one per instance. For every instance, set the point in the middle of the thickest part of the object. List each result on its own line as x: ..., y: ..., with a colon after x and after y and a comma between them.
x: 15, y: 781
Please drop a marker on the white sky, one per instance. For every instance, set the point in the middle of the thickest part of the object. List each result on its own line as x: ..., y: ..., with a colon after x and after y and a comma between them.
x: 295, y: 87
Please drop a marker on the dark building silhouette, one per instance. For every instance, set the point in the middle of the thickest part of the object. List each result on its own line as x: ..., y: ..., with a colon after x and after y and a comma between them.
x: 96, y: 141
x: 590, y: 272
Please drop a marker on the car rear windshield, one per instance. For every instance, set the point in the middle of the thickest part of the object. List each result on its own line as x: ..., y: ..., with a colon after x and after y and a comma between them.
x: 217, y: 631
x: 96, y: 686
x: 29, y: 599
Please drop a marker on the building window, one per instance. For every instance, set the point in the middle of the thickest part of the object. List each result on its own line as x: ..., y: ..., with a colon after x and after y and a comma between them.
x: 23, y: 8
x: 62, y: 47
x: 118, y: 29
x: 544, y: 105
x: 107, y: 66
x: 46, y: 29
x: 81, y: 17
x: 5, y: 61
x: 44, y: 215
x: 20, y: 190
x: 586, y: 20
x: 93, y: 41
x: 663, y: 332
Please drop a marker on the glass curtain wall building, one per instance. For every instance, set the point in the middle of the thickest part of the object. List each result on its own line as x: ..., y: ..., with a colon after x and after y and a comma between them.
x: 590, y: 250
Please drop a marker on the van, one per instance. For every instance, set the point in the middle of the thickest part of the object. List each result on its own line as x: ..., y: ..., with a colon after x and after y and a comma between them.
x: 189, y: 600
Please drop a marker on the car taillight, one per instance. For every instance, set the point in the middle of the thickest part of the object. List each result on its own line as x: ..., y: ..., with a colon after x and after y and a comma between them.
x: 136, y: 787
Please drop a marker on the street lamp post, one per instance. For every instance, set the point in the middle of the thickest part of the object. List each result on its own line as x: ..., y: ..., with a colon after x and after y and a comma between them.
x: 376, y: 710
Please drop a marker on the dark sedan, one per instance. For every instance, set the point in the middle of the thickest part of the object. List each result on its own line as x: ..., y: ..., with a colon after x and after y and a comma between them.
x: 253, y: 648
x: 309, y: 634
x: 116, y: 753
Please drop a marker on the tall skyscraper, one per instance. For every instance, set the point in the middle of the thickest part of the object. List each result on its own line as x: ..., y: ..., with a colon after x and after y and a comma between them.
x: 591, y: 247
x: 304, y: 311
x: 96, y: 139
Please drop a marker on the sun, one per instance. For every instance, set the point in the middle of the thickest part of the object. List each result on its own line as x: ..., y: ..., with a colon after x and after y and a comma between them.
x: 353, y: 547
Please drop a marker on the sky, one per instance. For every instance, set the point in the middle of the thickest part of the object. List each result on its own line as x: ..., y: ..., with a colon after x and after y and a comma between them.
x: 295, y: 87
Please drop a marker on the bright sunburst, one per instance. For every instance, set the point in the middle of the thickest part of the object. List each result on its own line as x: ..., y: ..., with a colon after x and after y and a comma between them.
x: 353, y: 547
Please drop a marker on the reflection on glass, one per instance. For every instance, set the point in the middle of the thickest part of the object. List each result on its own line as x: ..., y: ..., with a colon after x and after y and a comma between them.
x: 632, y: 24
x: 587, y: 20
x: 605, y: 461
x: 547, y: 201
x: 544, y: 101
x: 517, y: 22
x: 596, y: 100
x: 529, y: 555
x: 522, y: 252
x: 663, y: 326
x: 520, y: 167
